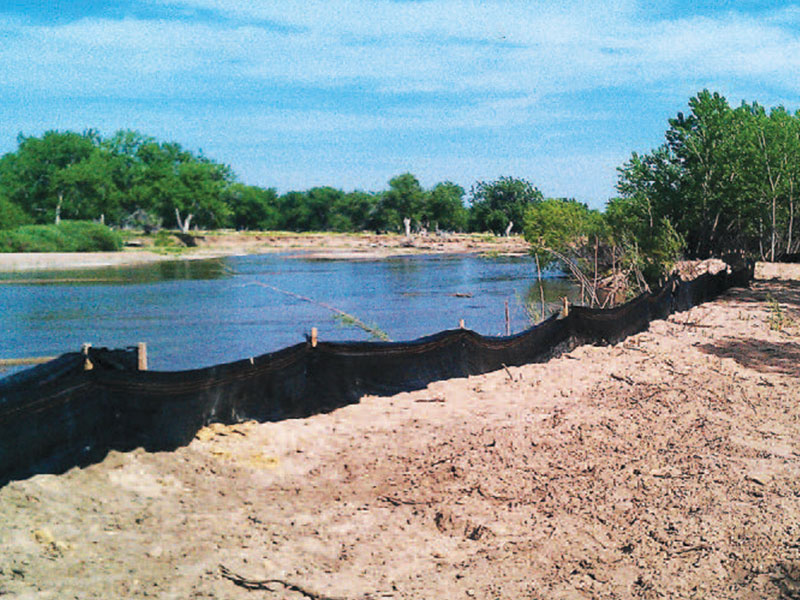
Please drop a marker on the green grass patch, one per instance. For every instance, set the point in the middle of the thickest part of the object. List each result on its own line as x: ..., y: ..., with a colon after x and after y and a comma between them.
x: 69, y: 236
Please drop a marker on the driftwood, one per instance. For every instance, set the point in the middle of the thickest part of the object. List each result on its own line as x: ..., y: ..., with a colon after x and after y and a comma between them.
x: 266, y: 584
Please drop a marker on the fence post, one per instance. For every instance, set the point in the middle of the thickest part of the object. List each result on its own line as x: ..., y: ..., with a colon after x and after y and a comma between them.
x: 87, y: 364
x: 313, y: 337
x: 141, y: 356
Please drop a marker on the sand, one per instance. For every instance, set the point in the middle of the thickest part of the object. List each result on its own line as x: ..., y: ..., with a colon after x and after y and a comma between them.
x: 322, y: 246
x: 666, y: 466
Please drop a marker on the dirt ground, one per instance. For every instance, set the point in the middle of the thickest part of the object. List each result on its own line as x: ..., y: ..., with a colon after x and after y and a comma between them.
x: 667, y: 466
x: 340, y: 246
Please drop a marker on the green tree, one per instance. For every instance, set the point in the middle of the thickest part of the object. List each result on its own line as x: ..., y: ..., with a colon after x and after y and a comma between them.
x: 725, y: 180
x: 352, y: 211
x: 496, y: 205
x: 444, y: 207
x: 253, y: 207
x: 403, y: 200
x: 31, y: 177
x: 11, y: 215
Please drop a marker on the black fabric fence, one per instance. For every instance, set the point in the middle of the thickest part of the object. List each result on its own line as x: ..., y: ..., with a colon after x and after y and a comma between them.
x: 59, y: 415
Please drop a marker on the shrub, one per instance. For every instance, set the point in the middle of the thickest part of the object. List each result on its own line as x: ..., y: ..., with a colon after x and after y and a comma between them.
x: 11, y: 215
x: 69, y: 236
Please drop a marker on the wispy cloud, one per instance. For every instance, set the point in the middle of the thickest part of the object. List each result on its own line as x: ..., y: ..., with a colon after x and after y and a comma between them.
x: 497, y: 66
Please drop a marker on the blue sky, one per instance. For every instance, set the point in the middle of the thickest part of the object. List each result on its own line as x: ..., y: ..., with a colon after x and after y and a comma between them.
x: 350, y: 93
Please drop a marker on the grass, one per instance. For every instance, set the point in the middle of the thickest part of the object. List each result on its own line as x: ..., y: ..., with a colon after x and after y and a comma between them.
x: 778, y: 319
x: 347, y: 320
x: 69, y: 236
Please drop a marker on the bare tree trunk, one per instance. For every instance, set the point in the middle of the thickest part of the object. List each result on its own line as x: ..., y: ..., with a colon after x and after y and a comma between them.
x: 183, y: 225
x: 508, y: 229
x: 58, y: 207
x: 407, y: 226
x: 596, y: 244
x: 539, y: 277
x: 772, y: 241
x: 791, y: 216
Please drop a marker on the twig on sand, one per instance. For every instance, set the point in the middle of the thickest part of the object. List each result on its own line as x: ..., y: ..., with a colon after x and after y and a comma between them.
x: 623, y: 378
x: 697, y: 548
x: 264, y: 584
x: 400, y: 501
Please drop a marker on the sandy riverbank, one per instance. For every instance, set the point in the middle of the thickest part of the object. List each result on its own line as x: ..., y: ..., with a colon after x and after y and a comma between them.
x: 667, y: 466
x: 315, y: 245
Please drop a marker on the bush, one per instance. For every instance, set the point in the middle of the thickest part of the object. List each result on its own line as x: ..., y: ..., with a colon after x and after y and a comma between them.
x: 69, y: 236
x: 11, y: 215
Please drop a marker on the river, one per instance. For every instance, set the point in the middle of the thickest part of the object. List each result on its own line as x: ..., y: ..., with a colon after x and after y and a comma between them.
x: 197, y: 313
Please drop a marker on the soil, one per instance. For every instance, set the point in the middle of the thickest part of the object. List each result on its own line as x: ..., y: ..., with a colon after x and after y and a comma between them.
x: 356, y: 246
x: 666, y: 466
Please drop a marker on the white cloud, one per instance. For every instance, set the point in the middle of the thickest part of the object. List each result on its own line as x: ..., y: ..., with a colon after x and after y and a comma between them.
x: 492, y: 65
x: 448, y: 46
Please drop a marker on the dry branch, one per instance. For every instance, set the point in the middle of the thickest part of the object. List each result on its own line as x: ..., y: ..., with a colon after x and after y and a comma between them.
x: 264, y: 584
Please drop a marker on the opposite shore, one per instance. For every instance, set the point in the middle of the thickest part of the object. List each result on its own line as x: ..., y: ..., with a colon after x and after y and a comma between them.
x: 322, y: 246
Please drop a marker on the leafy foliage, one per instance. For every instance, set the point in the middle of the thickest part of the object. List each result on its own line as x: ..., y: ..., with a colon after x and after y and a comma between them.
x: 11, y: 215
x: 726, y: 180
x: 497, y: 204
x: 69, y: 236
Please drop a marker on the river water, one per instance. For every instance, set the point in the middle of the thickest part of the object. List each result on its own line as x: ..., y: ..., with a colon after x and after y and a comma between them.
x: 198, y: 313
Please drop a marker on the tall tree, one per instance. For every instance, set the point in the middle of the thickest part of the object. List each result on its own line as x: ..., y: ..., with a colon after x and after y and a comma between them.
x: 253, y: 207
x: 444, y: 207
x: 403, y: 200
x: 501, y: 205
x: 726, y: 179
x: 31, y: 176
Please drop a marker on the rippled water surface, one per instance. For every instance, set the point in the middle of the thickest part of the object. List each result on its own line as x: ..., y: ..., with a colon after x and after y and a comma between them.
x: 198, y: 313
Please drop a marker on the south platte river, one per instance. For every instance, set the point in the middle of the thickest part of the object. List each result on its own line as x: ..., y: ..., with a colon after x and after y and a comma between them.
x: 193, y: 314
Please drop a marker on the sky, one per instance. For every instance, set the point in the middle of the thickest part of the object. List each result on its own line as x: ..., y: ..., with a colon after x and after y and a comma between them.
x: 350, y: 93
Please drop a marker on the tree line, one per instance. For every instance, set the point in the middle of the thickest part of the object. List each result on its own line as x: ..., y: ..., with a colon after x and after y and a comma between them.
x: 724, y: 181
x: 133, y: 180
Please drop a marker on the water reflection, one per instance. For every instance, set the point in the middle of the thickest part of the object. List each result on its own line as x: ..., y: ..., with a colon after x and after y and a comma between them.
x: 180, y: 270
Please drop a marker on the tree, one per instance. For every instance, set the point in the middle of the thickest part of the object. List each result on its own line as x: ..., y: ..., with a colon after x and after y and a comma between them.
x: 30, y: 177
x: 11, y: 215
x: 403, y: 200
x: 308, y: 211
x: 725, y: 180
x: 500, y: 203
x: 352, y: 211
x: 88, y: 189
x: 253, y: 207
x: 444, y: 207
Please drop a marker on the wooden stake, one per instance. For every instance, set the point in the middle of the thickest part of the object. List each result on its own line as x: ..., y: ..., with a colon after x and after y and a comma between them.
x: 313, y: 337
x: 565, y: 311
x: 141, y: 356
x: 461, y: 324
x: 87, y: 364
x: 508, y: 320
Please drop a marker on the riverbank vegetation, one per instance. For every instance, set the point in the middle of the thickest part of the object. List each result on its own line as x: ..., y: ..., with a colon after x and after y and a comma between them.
x: 725, y: 181
x: 135, y: 181
x: 69, y: 236
x: 724, y: 184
